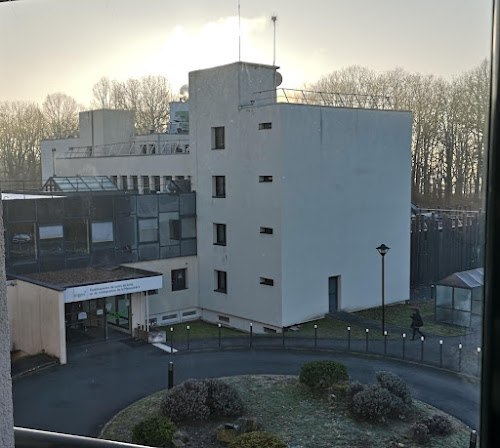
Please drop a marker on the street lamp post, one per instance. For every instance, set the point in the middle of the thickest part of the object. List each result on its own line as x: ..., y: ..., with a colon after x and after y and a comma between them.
x: 382, y: 250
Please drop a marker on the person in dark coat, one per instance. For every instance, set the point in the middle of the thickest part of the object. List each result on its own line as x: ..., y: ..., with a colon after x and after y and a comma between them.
x: 416, y: 323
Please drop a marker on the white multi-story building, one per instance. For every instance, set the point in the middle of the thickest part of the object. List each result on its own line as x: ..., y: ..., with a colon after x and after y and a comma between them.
x: 108, y: 146
x: 294, y: 192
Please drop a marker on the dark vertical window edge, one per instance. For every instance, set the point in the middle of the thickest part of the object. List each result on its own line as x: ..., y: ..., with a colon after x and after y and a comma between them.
x: 490, y: 389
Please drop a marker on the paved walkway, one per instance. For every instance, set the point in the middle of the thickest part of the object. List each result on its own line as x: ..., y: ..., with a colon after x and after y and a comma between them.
x: 102, y: 379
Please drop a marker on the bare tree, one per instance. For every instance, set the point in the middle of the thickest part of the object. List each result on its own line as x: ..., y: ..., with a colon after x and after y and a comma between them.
x: 60, y: 113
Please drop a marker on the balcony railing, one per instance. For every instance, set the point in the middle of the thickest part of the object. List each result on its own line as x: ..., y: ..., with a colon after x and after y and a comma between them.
x: 331, y: 99
x: 33, y: 438
x: 141, y: 148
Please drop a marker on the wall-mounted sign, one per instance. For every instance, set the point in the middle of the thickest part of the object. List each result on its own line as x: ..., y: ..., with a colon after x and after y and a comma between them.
x: 100, y: 312
x: 82, y: 315
x: 81, y: 293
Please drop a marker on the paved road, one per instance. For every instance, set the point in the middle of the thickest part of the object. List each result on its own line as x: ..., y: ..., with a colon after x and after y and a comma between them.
x: 100, y: 380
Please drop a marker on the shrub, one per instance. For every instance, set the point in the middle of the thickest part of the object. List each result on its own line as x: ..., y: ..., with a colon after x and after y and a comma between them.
x: 198, y: 400
x: 320, y: 375
x: 419, y: 433
x: 354, y: 388
x: 439, y: 425
x: 154, y: 431
x: 377, y: 404
x: 186, y: 401
x: 394, y: 385
x: 223, y: 400
x: 257, y: 439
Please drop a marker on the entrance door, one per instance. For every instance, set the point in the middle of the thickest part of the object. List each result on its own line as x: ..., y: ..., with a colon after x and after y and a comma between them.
x: 333, y: 292
x: 118, y: 312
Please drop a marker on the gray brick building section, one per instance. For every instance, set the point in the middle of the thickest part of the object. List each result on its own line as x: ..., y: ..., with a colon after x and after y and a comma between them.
x: 6, y: 412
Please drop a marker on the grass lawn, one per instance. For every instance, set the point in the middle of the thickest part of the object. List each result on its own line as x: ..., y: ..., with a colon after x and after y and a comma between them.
x: 327, y: 328
x: 400, y: 315
x: 286, y: 407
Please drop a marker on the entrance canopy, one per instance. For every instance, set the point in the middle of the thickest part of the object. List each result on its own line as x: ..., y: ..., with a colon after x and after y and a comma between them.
x: 93, y: 283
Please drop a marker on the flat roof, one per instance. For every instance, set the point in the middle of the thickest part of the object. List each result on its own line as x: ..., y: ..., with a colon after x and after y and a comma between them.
x: 69, y: 278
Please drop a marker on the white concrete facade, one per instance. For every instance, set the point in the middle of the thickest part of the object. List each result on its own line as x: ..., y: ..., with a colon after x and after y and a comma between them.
x: 340, y: 187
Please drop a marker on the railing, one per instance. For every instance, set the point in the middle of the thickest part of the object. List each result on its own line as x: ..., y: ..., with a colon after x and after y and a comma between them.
x: 331, y: 99
x: 129, y: 148
x: 33, y: 438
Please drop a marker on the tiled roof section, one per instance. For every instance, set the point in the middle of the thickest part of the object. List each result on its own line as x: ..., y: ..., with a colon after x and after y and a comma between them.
x: 87, y: 276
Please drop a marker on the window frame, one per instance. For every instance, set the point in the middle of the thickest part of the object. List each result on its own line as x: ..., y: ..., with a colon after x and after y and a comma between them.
x: 217, y: 241
x: 218, y: 137
x: 175, y: 283
x: 220, y: 281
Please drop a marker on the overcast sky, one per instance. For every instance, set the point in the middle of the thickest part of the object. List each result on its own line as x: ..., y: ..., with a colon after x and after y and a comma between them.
x: 67, y: 45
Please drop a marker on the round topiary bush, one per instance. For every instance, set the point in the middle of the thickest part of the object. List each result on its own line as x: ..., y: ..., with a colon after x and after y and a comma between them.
x: 353, y: 388
x: 377, y: 404
x: 257, y: 439
x: 154, y: 431
x: 394, y: 385
x: 419, y: 433
x: 199, y: 400
x: 320, y: 375
x: 439, y: 425
x: 223, y: 400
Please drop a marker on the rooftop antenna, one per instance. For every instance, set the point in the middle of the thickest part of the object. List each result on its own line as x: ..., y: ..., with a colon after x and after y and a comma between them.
x: 239, y: 32
x: 274, y: 18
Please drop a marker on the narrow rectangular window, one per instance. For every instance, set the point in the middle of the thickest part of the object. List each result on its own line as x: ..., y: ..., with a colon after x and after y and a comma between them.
x: 218, y: 138
x: 124, y: 183
x: 175, y: 229
x: 265, y: 178
x: 156, y: 180
x: 219, y: 186
x: 114, y: 179
x: 266, y: 230
x: 169, y: 317
x: 220, y: 234
x: 265, y: 126
x: 179, y: 279
x: 145, y: 184
x: 224, y: 319
x: 266, y: 281
x: 135, y: 183
x: 221, y: 282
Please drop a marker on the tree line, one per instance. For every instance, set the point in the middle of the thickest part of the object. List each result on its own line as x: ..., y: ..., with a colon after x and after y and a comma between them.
x: 448, y: 138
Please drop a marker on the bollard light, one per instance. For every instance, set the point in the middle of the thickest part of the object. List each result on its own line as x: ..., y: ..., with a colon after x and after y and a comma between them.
x: 187, y: 327
x: 315, y: 327
x: 348, y: 328
x: 367, y: 330
x: 422, y: 338
x: 478, y: 350
x: 219, y: 325
x: 440, y: 342
x: 460, y: 346
x: 385, y: 333
x: 404, y: 335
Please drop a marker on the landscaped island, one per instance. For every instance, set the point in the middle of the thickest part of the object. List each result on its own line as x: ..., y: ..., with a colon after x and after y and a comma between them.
x: 319, y: 409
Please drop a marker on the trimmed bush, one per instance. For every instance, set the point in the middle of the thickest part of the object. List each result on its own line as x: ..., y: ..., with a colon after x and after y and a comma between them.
x: 439, y: 425
x: 377, y: 404
x: 223, y: 400
x: 154, y: 431
x: 394, y: 385
x: 199, y: 400
x: 257, y: 439
x: 320, y: 375
x: 353, y: 388
x: 419, y: 433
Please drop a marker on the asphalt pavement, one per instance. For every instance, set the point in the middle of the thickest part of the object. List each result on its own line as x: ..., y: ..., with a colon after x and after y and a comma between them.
x: 100, y: 380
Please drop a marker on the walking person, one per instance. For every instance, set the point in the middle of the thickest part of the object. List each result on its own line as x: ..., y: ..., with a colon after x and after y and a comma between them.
x: 416, y: 323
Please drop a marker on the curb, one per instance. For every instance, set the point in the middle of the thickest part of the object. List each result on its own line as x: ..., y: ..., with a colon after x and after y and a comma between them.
x: 47, y: 365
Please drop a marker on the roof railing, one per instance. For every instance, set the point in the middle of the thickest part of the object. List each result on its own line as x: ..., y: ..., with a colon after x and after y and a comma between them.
x: 137, y: 148
x: 330, y: 99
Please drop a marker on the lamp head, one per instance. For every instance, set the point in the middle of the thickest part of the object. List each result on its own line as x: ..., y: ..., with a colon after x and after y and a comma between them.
x: 383, y: 249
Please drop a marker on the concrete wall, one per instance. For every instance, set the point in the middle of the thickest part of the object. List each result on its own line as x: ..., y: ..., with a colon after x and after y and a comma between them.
x: 37, y: 319
x: 215, y: 96
x: 6, y: 408
x: 99, y: 127
x: 168, y: 302
x: 346, y: 190
x: 47, y: 162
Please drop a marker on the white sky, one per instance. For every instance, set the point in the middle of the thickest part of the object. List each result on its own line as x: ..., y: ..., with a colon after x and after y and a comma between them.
x: 67, y: 45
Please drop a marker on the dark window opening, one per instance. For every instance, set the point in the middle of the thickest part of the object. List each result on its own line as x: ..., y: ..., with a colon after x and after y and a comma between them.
x: 265, y: 126
x: 22, y: 241
x: 265, y: 178
x: 76, y: 237
x: 266, y: 281
x: 218, y: 138
x: 175, y: 229
x: 114, y: 179
x: 135, y: 183
x: 224, y: 319
x: 188, y: 313
x: 219, y: 186
x: 145, y: 184
x: 124, y: 183
x: 220, y: 234
x: 266, y: 230
x: 179, y: 279
x: 268, y: 330
x: 156, y: 181
x: 221, y: 281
